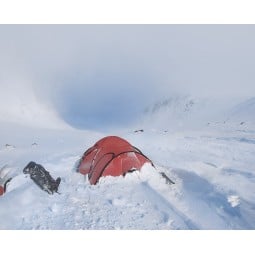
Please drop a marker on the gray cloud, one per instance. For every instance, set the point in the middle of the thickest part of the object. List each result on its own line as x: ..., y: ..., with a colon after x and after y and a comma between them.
x: 98, y: 75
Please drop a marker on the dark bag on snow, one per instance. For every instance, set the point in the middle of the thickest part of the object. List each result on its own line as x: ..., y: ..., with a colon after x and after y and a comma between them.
x: 42, y: 177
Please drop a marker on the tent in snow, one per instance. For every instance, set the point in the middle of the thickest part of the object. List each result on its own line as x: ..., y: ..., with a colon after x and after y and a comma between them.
x: 113, y: 156
x: 3, y: 186
x: 1, y: 190
x: 4, y: 180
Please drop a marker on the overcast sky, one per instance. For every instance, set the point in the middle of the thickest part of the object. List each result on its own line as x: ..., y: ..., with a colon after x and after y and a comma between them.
x: 97, y: 75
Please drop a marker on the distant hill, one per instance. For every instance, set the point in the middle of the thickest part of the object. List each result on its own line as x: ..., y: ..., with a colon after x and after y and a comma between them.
x: 185, y: 112
x: 181, y: 112
x: 245, y: 111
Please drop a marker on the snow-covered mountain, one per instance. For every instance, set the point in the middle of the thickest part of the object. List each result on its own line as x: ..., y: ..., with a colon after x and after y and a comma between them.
x: 244, y: 111
x: 20, y: 105
x: 182, y: 112
x: 187, y: 112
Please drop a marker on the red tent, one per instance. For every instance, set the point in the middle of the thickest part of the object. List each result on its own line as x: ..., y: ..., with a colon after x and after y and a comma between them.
x: 113, y: 156
x: 3, y: 184
x: 4, y: 180
x: 1, y: 190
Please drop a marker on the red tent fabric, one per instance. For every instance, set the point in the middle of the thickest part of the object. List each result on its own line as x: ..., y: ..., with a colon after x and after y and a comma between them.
x: 1, y: 190
x: 113, y: 156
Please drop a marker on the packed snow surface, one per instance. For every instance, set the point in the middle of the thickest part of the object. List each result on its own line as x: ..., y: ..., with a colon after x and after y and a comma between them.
x: 213, y: 169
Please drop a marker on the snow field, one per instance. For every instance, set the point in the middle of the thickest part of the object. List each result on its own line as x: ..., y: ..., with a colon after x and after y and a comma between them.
x: 212, y: 169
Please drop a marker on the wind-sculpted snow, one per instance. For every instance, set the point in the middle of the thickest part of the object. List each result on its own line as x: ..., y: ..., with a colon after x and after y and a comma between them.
x: 214, y: 182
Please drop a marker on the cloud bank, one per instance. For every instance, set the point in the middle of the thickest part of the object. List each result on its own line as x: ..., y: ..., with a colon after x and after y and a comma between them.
x: 94, y: 76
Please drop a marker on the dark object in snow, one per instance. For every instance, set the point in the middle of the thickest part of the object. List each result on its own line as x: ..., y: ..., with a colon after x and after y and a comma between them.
x: 42, y: 177
x: 9, y: 146
x: 242, y: 123
x: 139, y: 131
x: 5, y: 184
x: 168, y: 180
